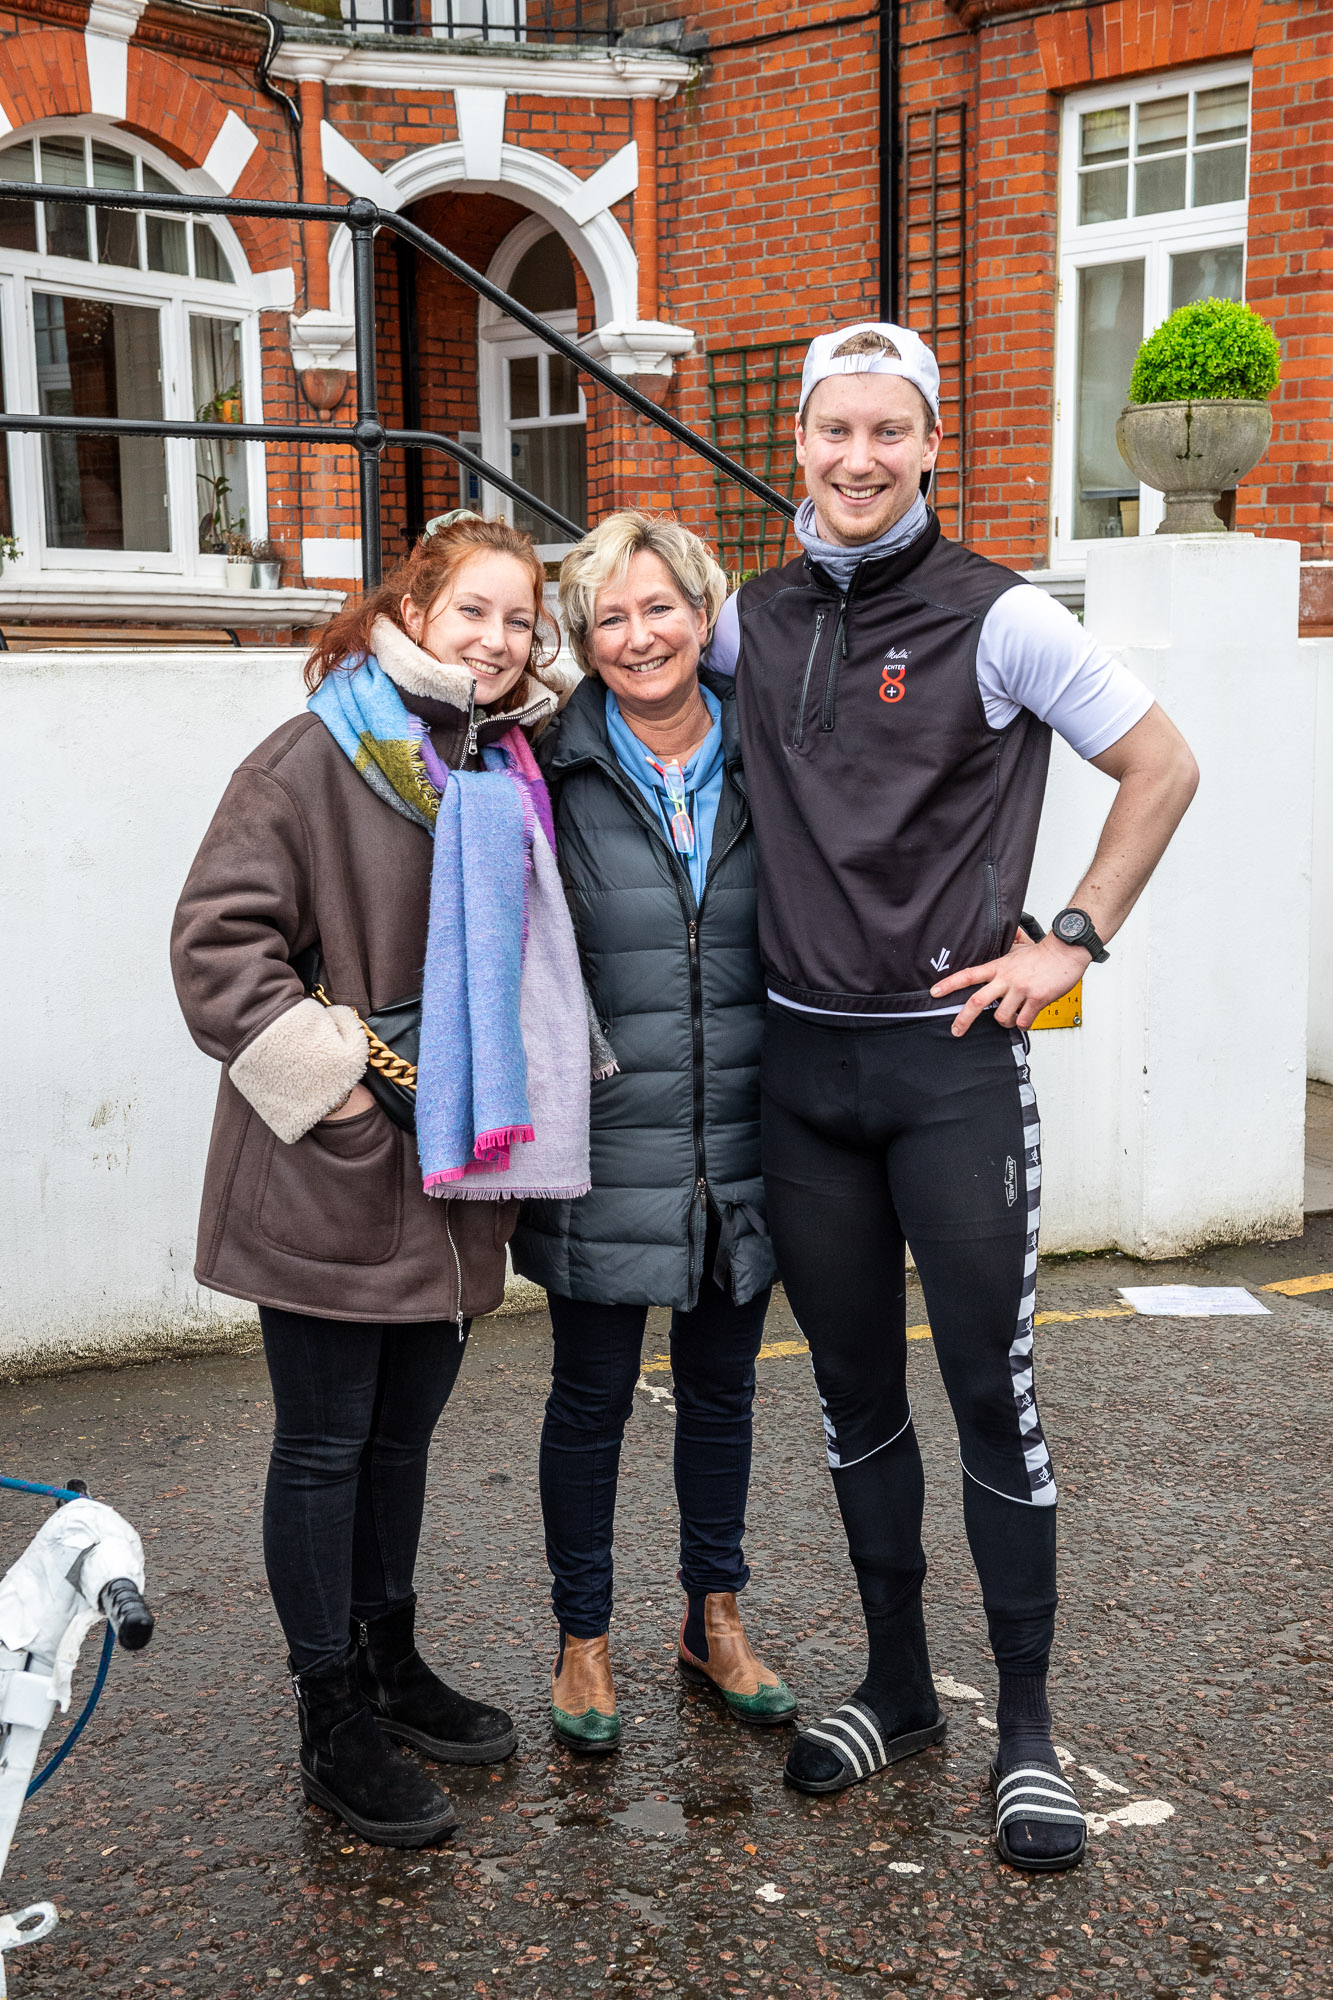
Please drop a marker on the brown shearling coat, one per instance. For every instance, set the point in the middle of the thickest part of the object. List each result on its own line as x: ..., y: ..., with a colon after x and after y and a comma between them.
x: 328, y: 1219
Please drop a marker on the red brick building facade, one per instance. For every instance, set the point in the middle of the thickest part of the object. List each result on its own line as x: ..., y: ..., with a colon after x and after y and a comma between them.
x: 688, y: 193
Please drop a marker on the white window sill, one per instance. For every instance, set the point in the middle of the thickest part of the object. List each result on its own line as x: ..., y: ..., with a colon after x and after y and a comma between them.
x: 104, y: 594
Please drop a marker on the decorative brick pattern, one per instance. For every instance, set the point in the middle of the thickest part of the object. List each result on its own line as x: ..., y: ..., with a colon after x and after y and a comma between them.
x: 767, y: 222
x: 43, y: 74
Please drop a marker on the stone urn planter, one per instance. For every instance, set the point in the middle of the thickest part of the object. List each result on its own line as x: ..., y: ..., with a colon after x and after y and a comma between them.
x: 1192, y: 453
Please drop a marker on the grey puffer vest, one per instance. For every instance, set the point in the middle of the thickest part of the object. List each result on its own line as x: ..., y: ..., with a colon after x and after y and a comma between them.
x: 679, y: 990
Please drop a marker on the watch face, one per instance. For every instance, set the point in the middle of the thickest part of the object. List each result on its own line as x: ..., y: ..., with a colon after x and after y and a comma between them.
x: 1071, y: 926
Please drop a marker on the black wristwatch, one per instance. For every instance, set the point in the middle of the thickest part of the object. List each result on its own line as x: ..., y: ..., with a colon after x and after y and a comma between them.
x: 1076, y: 927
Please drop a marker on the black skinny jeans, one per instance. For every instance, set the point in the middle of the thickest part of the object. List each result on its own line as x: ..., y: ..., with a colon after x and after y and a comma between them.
x: 354, y: 1409
x: 598, y: 1352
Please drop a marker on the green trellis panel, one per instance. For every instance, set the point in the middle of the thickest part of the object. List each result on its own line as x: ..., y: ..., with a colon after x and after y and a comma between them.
x: 752, y: 395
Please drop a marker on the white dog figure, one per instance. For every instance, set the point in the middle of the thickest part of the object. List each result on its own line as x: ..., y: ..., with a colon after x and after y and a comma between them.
x: 83, y: 1564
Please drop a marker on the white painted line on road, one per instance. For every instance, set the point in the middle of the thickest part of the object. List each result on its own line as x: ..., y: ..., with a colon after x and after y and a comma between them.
x: 1103, y: 1783
x: 1139, y: 1812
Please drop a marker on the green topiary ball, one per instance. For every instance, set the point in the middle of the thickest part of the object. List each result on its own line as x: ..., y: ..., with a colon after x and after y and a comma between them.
x: 1213, y: 347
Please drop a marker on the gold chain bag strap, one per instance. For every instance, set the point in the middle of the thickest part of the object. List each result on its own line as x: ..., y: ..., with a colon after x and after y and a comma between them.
x: 393, y: 1034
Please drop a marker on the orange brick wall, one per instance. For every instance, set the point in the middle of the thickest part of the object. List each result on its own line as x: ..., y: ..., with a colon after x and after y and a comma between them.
x: 767, y: 221
x: 767, y: 201
x: 1025, y: 66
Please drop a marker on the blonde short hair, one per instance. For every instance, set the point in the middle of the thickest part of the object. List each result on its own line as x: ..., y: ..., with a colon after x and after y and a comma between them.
x: 604, y: 555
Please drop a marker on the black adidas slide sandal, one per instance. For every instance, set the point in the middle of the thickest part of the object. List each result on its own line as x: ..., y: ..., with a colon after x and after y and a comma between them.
x: 854, y: 1735
x: 1032, y: 1792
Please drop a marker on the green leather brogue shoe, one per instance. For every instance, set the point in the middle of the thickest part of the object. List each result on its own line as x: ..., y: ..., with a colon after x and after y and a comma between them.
x: 752, y: 1691
x: 583, y: 1696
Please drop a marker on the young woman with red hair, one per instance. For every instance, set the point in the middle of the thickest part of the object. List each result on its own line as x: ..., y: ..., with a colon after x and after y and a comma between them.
x: 385, y: 860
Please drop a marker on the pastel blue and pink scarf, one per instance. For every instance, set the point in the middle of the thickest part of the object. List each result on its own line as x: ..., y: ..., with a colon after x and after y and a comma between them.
x: 502, y: 1073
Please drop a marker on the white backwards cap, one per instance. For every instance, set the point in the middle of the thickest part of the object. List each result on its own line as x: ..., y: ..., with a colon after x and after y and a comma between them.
x: 872, y: 347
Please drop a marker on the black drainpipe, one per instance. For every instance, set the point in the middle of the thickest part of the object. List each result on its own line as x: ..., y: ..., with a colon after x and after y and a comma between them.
x: 414, y: 479
x: 273, y: 29
x: 888, y: 160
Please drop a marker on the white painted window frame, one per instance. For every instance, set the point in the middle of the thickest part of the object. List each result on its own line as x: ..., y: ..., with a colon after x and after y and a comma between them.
x: 500, y: 339
x: 175, y: 299
x: 1153, y: 237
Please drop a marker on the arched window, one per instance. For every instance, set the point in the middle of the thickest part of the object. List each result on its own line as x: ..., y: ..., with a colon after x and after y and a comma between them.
x: 112, y: 313
x: 533, y: 417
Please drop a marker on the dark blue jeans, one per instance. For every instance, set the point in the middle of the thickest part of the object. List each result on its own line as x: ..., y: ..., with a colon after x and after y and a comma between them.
x: 598, y: 1352
x: 354, y: 1409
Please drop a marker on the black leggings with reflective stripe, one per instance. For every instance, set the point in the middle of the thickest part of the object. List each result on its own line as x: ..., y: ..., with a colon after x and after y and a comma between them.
x: 873, y: 1138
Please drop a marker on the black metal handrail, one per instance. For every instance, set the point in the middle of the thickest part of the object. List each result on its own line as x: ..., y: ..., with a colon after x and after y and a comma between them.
x: 368, y: 435
x: 551, y: 21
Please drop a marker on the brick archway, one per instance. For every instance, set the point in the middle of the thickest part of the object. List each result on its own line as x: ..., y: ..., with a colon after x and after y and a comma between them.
x: 45, y: 76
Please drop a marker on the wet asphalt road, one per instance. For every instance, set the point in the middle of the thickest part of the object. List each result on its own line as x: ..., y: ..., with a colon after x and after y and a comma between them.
x: 1194, y: 1673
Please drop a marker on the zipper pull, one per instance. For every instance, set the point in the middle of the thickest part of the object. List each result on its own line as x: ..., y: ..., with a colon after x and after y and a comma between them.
x: 692, y: 931
x: 462, y: 1336
x: 701, y: 1189
x: 471, y: 750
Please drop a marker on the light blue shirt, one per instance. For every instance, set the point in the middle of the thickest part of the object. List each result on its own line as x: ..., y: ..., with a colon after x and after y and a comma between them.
x: 703, y: 782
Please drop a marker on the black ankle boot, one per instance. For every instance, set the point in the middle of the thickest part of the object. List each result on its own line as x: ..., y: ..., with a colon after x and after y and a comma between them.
x: 349, y: 1767
x: 414, y: 1705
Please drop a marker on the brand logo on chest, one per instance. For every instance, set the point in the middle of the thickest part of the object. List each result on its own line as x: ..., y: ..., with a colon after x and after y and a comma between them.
x: 893, y: 674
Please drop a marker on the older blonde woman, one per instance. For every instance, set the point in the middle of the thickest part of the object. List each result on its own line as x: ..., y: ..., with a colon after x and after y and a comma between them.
x: 655, y: 846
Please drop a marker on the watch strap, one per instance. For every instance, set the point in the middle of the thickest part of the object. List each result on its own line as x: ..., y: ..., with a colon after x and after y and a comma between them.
x: 1087, y: 937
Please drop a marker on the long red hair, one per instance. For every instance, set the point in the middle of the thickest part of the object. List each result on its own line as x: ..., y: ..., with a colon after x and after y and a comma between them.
x: 432, y: 569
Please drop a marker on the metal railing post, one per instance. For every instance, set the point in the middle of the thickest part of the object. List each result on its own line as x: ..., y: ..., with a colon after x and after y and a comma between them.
x: 363, y: 219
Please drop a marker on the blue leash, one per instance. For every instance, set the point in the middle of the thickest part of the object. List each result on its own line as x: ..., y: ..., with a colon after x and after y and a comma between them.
x: 108, y: 1644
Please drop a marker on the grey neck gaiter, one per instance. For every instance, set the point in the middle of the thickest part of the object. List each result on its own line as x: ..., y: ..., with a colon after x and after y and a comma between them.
x: 841, y: 563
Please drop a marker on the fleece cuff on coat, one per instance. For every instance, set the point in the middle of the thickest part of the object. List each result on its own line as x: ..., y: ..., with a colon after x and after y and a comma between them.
x: 302, y: 1064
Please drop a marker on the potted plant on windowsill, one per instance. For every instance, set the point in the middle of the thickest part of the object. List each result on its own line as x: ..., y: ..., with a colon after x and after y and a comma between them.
x: 268, y: 565
x: 9, y: 550
x: 240, y: 561
x: 1198, y: 418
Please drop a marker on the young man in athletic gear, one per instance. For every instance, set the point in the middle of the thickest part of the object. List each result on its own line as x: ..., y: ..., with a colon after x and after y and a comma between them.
x: 896, y: 695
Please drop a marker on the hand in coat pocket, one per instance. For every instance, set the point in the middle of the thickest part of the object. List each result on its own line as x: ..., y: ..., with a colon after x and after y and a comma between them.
x: 336, y: 1196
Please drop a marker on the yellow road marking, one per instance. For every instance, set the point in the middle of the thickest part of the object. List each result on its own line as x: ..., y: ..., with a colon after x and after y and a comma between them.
x: 1295, y: 1288
x: 779, y: 1350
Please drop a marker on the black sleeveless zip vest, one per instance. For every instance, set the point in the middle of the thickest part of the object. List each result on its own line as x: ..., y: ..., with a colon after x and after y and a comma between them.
x: 895, y: 827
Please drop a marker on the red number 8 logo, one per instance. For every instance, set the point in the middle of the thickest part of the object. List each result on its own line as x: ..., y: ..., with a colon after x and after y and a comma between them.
x: 892, y: 688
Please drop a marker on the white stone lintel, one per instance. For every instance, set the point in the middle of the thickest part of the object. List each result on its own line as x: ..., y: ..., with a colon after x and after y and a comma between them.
x: 230, y: 152
x: 108, y: 60
x: 613, y: 180
x: 441, y: 65
x: 638, y: 347
x: 353, y: 171
x: 481, y: 128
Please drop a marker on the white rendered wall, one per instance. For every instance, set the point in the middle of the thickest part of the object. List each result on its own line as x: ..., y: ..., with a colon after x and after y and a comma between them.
x: 113, y: 766
x: 1320, y: 1061
x: 1174, y: 1116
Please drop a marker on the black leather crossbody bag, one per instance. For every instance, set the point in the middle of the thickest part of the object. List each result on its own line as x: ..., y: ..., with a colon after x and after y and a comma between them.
x: 394, y: 1036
